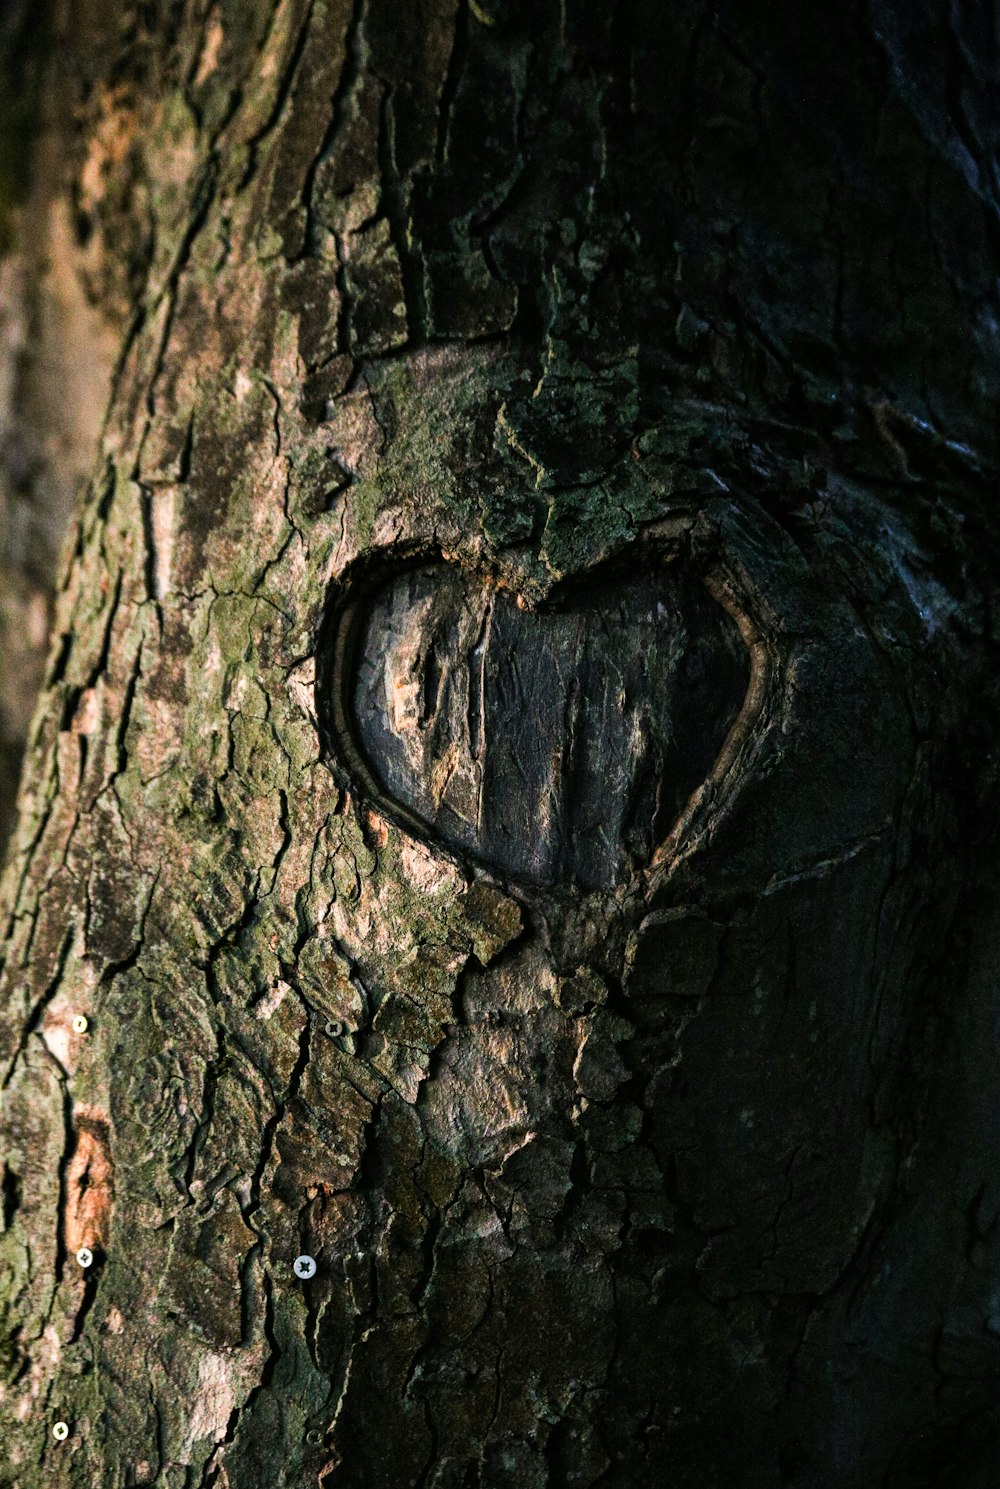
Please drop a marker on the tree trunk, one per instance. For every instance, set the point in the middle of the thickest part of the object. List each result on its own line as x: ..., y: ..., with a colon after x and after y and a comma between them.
x: 511, y: 794
x: 56, y: 354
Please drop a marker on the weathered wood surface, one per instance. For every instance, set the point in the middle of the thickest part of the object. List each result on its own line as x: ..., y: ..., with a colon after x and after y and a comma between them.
x: 685, y: 1174
x: 557, y: 745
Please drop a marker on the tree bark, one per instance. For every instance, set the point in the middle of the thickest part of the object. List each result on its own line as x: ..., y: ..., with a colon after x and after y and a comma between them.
x: 57, y: 348
x: 511, y: 798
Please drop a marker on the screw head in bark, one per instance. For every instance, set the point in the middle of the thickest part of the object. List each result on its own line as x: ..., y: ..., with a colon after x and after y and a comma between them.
x: 60, y: 1431
x: 314, y: 1437
x: 304, y: 1267
x: 85, y: 1257
x: 80, y: 1023
x: 334, y: 1028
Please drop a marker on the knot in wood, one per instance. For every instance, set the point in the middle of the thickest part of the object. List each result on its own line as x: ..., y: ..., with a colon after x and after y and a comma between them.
x: 555, y: 745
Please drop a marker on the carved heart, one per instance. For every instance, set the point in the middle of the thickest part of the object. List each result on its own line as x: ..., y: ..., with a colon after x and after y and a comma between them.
x: 555, y: 745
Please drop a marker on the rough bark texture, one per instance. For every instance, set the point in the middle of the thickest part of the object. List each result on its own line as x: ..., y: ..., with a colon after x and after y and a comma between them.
x: 673, y: 1164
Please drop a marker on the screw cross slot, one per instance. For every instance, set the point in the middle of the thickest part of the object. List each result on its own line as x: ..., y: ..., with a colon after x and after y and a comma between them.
x: 304, y: 1267
x: 60, y: 1431
x: 85, y: 1257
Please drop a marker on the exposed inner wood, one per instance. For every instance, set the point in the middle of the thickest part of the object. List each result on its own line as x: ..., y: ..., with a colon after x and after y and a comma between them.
x: 556, y: 745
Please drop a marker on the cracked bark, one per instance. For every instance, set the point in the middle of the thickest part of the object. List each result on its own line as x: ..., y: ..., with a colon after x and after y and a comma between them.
x: 656, y: 351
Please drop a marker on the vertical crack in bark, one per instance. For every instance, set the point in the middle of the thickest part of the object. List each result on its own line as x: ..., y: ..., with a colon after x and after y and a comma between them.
x: 146, y: 499
x: 453, y: 77
x: 351, y: 73
x: 394, y: 203
x: 36, y: 1011
x: 69, y: 1145
x: 284, y: 90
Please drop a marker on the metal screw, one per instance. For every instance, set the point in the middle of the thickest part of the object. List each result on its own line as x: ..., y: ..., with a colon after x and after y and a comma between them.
x: 85, y: 1257
x: 304, y: 1267
x: 80, y: 1023
x: 314, y: 1436
x: 60, y: 1431
x: 334, y: 1028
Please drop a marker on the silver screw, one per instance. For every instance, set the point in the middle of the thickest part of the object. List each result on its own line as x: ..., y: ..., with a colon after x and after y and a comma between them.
x: 60, y: 1431
x: 334, y: 1028
x: 304, y: 1267
x: 80, y: 1023
x: 85, y: 1257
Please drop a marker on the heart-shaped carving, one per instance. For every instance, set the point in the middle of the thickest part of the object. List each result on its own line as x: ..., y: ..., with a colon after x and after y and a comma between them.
x: 557, y: 744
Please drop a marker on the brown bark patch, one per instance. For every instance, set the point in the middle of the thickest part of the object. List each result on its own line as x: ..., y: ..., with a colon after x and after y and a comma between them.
x: 89, y: 1183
